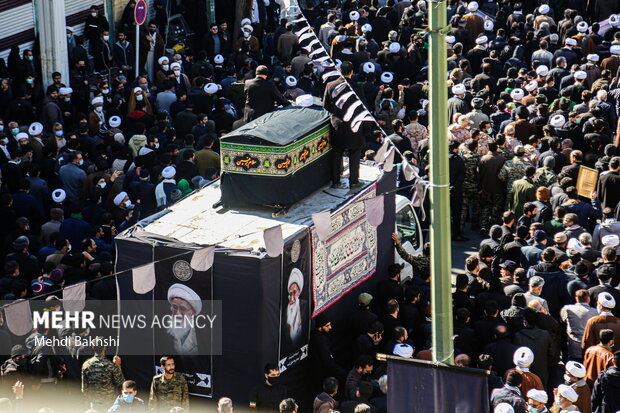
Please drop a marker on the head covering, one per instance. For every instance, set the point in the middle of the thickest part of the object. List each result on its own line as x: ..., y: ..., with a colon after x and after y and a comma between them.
x: 115, y: 121
x: 168, y: 172
x: 593, y: 58
x: 504, y: 408
x: 394, y: 47
x: 580, y: 75
x: 530, y: 87
x: 570, y: 41
x: 574, y: 244
x: 21, y: 242
x: 517, y: 94
x: 364, y: 299
x: 477, y: 103
x: 557, y: 121
x: 18, y: 350
x: 488, y: 25
x: 450, y: 39
x: 366, y: 28
x: 368, y: 67
x: 568, y: 393
x: 175, y: 65
x: 538, y: 395
x: 162, y: 59
x: 35, y: 129
x: 540, y: 235
x: 523, y: 357
x: 184, y: 187
x: 482, y: 40
x: 118, y: 137
x: 387, y: 77
x: 245, y: 22
x: 218, y: 59
x: 458, y: 89
x: 296, y: 277
x: 614, y: 49
x: 611, y: 240
x: 582, y: 27
x: 291, y: 81
x: 576, y: 369
x: 304, y: 101
x: 403, y: 350
x: 211, y: 88
x: 543, y: 9
x: 187, y: 294
x: 320, y: 320
x: 70, y: 29
x: 542, y: 70
x: 57, y: 275
x: 560, y: 237
x: 97, y: 101
x: 119, y: 198
x: 248, y: 28
x: 509, y: 265
x: 65, y: 90
x: 472, y: 6
x: 606, y: 300
x: 59, y: 195
x: 614, y: 20
x: 137, y: 89
x: 354, y: 15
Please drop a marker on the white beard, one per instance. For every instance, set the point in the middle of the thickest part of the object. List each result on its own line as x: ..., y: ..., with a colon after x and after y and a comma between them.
x: 184, y: 340
x: 293, y: 321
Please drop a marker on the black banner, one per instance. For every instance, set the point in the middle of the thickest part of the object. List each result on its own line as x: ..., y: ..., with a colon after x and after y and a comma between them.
x: 295, y: 302
x: 185, y: 291
x: 422, y: 387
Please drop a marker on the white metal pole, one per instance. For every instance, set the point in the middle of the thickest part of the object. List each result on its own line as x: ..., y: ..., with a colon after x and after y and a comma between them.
x: 137, y: 48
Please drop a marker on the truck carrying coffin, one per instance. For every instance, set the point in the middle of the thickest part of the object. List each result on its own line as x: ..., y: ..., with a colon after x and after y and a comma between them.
x: 277, y: 159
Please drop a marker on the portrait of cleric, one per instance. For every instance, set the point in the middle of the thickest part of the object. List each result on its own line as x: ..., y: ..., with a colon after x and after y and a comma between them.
x: 183, y: 336
x: 296, y: 314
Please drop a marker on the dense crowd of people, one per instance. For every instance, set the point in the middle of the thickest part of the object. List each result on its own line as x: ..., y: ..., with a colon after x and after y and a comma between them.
x: 534, y: 99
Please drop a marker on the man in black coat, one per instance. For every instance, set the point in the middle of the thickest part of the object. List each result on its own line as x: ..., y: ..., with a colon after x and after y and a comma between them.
x: 95, y: 25
x: 260, y: 95
x: 319, y: 352
x: 457, y: 177
x: 605, y: 395
x: 501, y: 350
x: 343, y: 137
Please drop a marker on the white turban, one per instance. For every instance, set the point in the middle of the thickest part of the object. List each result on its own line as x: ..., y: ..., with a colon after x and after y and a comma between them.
x: 296, y: 277
x: 182, y: 291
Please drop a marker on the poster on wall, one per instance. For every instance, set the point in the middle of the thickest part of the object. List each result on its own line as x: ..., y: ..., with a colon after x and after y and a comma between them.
x: 347, y: 257
x: 295, y: 302
x: 184, y: 292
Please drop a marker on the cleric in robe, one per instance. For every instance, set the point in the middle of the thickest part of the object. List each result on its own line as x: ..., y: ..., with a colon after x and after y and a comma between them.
x: 183, y: 339
x: 296, y: 315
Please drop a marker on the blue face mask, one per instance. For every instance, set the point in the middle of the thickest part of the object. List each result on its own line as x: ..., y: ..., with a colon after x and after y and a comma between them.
x: 81, y: 162
x: 58, y: 133
x: 128, y: 398
x: 15, y: 131
x: 1, y: 128
x: 489, y: 131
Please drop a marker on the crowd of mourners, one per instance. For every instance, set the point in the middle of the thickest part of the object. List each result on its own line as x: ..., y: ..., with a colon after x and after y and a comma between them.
x: 534, y: 101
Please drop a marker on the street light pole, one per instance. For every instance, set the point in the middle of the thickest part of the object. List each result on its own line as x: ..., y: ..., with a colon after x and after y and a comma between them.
x: 440, y: 238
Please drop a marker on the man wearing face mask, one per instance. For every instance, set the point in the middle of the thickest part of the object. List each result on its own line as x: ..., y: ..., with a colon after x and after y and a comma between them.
x: 181, y: 80
x: 128, y: 400
x: 96, y: 118
x: 605, y: 320
x: 162, y: 74
x: 536, y: 401
x: 102, y: 52
x: 72, y: 176
x: 574, y: 376
x: 80, y: 85
x: 15, y: 368
x: 565, y: 397
x: 266, y: 397
x: 94, y: 26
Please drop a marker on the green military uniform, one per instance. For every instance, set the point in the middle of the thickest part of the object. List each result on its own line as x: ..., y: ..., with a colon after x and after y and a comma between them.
x: 471, y: 199
x: 421, y: 264
x: 511, y: 171
x: 523, y: 190
x: 545, y: 177
x: 100, y: 381
x: 168, y: 393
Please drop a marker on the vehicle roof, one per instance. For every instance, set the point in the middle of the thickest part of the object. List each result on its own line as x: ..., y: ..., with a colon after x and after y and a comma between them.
x: 194, y: 221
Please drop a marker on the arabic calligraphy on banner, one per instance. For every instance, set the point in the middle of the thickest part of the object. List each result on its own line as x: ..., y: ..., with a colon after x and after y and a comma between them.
x: 347, y: 257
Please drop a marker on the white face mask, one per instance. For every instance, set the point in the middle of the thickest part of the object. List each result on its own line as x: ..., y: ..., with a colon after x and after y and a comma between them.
x: 246, y: 34
x: 94, y: 14
x: 99, y: 109
x: 105, y: 91
x: 157, y: 145
x: 127, y: 203
x: 177, y: 73
x: 69, y: 249
x: 101, y: 185
x: 567, y: 378
x: 106, y: 38
x: 165, y: 67
x: 139, y: 97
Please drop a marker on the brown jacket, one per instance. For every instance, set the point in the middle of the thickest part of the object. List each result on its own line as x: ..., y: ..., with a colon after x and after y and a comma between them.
x: 523, y: 130
x: 530, y: 381
x: 583, y: 403
x: 596, y: 359
x: 594, y: 327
